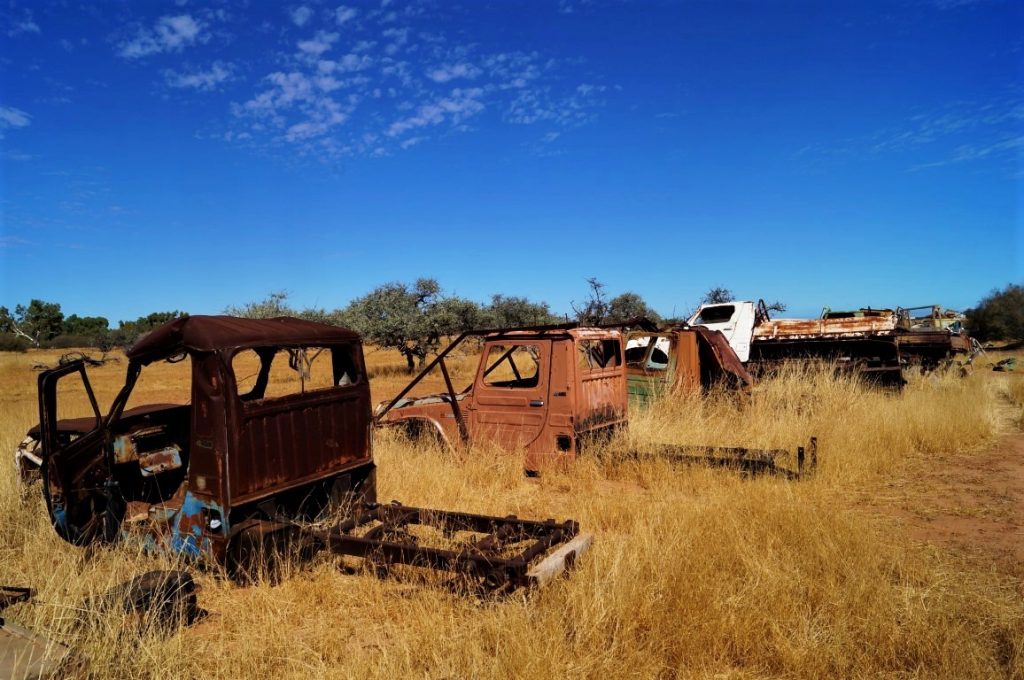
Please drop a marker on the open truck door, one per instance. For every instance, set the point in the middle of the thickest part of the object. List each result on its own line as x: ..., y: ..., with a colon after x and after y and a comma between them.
x: 81, y: 496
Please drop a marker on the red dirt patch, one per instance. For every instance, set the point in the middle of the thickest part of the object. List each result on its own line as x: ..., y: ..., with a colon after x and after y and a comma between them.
x: 972, y: 501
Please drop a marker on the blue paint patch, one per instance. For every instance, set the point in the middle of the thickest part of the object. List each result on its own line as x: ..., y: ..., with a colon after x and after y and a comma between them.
x: 188, y: 535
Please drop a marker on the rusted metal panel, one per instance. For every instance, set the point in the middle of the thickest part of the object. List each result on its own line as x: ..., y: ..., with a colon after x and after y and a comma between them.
x: 723, y: 365
x: 681, y: 359
x: 799, y: 329
x: 298, y: 438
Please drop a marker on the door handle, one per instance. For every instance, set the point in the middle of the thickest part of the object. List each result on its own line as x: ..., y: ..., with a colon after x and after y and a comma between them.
x: 537, y: 403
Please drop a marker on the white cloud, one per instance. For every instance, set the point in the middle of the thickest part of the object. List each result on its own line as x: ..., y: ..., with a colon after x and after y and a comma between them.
x: 170, y: 34
x: 398, y: 38
x: 294, y: 95
x: 318, y: 45
x: 347, y: 64
x: 24, y: 25
x: 453, y: 71
x: 300, y: 15
x: 456, y: 107
x: 12, y: 117
x: 343, y: 14
x: 205, y: 81
x: 391, y: 84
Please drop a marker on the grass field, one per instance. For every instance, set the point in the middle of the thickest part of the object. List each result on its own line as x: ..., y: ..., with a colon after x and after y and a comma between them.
x: 694, y: 572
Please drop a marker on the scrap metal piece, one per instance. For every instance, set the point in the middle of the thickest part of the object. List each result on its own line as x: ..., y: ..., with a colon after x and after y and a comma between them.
x: 23, y: 653
x: 497, y: 554
x: 751, y: 460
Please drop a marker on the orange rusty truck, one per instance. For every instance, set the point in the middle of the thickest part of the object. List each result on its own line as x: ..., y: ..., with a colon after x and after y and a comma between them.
x: 542, y: 390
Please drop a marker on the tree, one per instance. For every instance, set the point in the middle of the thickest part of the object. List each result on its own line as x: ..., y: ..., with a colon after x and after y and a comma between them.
x: 717, y: 295
x: 514, y: 312
x: 630, y: 305
x: 999, y: 316
x: 594, y: 309
x: 38, y: 322
x: 597, y: 309
x: 274, y: 305
x: 129, y: 331
x: 410, y: 319
x: 720, y: 294
x: 85, y: 326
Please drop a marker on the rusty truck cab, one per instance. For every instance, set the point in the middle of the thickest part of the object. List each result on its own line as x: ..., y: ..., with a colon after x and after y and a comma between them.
x: 248, y: 447
x: 677, y: 359
x: 538, y: 391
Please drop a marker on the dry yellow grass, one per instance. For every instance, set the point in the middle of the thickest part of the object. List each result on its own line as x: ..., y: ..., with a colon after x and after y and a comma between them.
x: 694, y: 573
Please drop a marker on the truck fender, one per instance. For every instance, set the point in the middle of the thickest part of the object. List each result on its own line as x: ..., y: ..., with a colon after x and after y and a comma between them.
x: 416, y: 424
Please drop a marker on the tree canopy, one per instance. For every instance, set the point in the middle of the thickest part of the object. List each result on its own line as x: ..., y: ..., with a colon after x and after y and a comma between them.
x: 999, y: 316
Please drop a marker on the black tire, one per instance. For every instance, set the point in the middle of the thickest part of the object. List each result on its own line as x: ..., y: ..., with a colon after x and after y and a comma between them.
x: 167, y: 598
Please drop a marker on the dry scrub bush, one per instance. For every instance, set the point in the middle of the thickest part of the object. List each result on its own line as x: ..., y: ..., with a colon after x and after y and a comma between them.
x: 694, y: 572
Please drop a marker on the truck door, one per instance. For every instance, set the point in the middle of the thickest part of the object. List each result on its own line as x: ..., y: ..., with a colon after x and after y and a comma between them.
x: 510, y: 395
x: 80, y: 495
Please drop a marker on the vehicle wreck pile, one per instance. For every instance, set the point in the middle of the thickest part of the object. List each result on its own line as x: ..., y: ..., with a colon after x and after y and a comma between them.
x: 236, y: 474
x: 879, y: 343
x: 242, y: 472
x: 549, y: 390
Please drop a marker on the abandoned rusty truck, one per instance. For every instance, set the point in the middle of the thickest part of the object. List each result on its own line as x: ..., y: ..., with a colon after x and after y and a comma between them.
x: 545, y: 391
x: 539, y: 390
x: 881, y: 343
x: 276, y: 433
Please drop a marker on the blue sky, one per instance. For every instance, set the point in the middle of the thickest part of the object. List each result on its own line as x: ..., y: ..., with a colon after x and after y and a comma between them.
x: 187, y: 155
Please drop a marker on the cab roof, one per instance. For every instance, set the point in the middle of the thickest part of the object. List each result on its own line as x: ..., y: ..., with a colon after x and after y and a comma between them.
x: 213, y: 333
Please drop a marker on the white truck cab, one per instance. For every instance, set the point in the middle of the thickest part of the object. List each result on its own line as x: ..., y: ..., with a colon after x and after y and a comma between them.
x: 734, y: 319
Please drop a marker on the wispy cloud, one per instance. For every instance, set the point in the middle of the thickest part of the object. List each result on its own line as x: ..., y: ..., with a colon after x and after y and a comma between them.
x: 456, y: 107
x: 170, y: 34
x: 203, y: 80
x: 13, y: 242
x: 973, y: 152
x: 300, y: 15
x: 453, y: 71
x: 376, y: 85
x: 11, y: 117
x: 343, y: 14
x: 955, y: 133
x: 316, y: 46
x: 24, y: 24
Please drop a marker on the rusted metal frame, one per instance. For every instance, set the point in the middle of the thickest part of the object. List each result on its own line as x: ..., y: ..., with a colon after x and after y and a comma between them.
x: 408, y: 516
x: 456, y: 409
x: 499, y: 360
x: 754, y: 460
x: 464, y: 521
x: 462, y: 336
x: 10, y: 595
x: 477, y: 558
x: 422, y: 374
x: 495, y: 540
x: 515, y: 369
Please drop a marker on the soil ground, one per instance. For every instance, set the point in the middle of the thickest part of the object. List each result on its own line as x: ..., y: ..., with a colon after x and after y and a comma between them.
x: 969, y: 501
